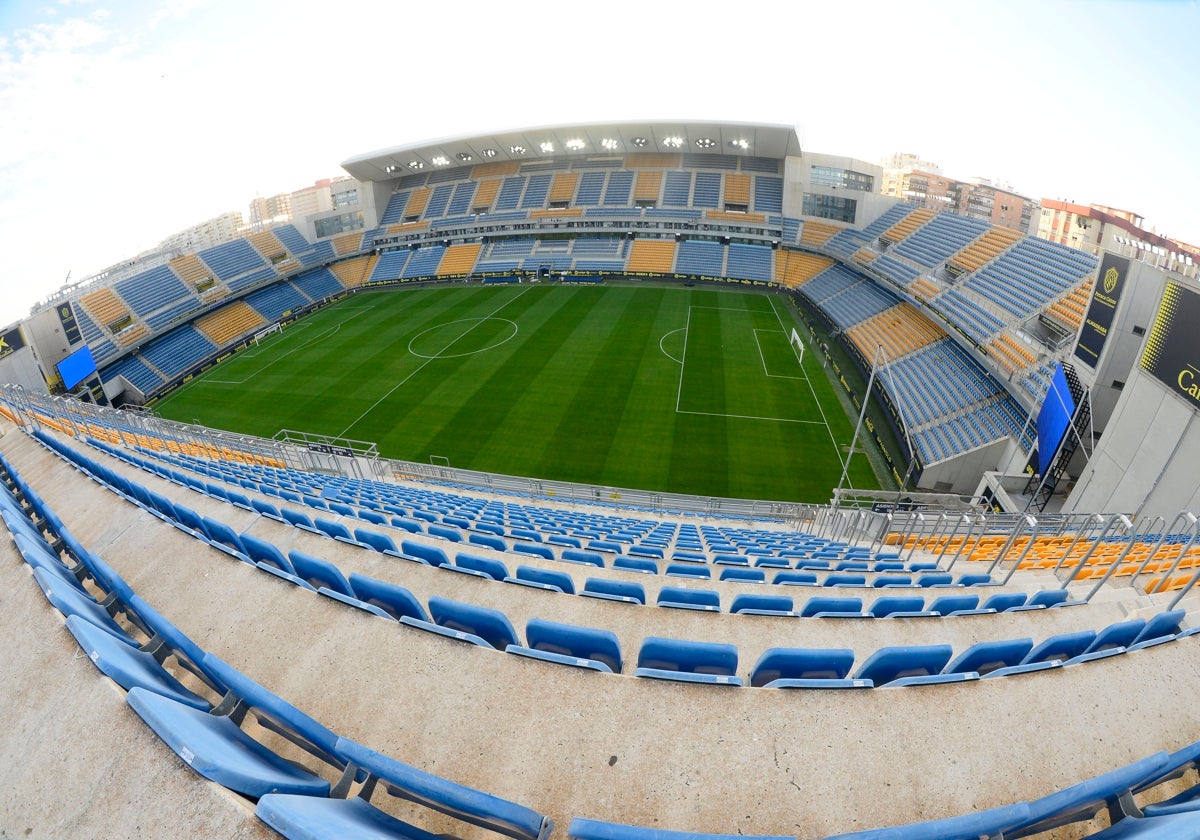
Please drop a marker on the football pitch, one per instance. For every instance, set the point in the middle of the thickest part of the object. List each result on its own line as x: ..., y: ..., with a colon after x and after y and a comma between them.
x: 684, y: 390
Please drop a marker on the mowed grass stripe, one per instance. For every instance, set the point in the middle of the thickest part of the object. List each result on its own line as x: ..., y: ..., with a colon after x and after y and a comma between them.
x: 514, y: 397
x: 617, y: 339
x: 581, y: 392
x: 648, y: 426
x: 424, y: 403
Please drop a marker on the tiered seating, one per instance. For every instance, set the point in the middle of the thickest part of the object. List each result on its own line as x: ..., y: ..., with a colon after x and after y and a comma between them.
x: 1011, y: 354
x: 424, y: 261
x: 893, y: 215
x: 707, y: 190
x: 105, y: 307
x: 347, y: 243
x: 973, y: 319
x: 353, y: 273
x: 535, y: 191
x: 647, y: 186
x: 900, y: 330
x: 230, y: 259
x: 737, y: 189
x: 793, y: 268
x: 269, y: 246
x: 678, y: 190
x: 178, y: 351
x: 133, y: 334
x: 394, y: 211
x: 817, y: 233
x: 136, y: 371
x: 389, y: 265
x: 896, y: 269
x: 459, y: 259
x: 616, y: 192
x: 229, y: 322
x: 749, y: 262
x: 905, y: 225
x: 460, y: 201
x: 950, y: 405
x: 846, y: 243
x: 701, y: 257
x: 1031, y: 274
x: 655, y: 256
x: 1069, y: 311
x: 943, y: 236
x: 924, y: 289
x: 151, y: 290
x: 276, y: 301
x: 768, y: 194
x: 994, y: 241
x: 195, y: 273
x: 832, y: 281
x: 857, y: 303
x: 255, y: 278
x: 510, y: 192
x: 318, y: 283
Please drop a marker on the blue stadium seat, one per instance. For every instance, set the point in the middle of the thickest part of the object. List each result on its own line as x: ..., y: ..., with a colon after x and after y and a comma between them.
x: 805, y: 668
x: 1084, y: 800
x: 568, y: 644
x: 823, y: 607
x: 795, y: 578
x: 428, y: 554
x: 954, y: 604
x: 677, y: 597
x: 468, y: 622
x: 753, y: 604
x: 686, y: 661
x: 481, y: 566
x: 533, y: 550
x: 985, y: 657
x: 215, y: 746
x: 990, y: 823
x: 899, y: 606
x: 1062, y: 647
x: 614, y: 590
x: 393, y: 599
x: 585, y: 829
x: 587, y: 558
x: 377, y: 541
x: 311, y: 816
x: 128, y: 666
x: 319, y: 573
x: 635, y: 564
x: 688, y: 570
x: 908, y: 665
x: 543, y: 579
x: 744, y: 575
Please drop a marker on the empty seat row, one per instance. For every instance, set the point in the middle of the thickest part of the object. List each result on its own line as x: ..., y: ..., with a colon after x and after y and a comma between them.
x: 208, y: 734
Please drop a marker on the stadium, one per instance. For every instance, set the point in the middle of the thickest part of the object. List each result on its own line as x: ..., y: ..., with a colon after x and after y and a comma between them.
x: 613, y: 481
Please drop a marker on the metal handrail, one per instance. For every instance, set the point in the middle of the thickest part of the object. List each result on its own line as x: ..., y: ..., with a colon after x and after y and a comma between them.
x: 1158, y: 544
x: 1114, y: 519
x: 1134, y: 539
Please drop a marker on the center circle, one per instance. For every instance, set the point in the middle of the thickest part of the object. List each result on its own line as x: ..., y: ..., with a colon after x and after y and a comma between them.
x: 464, y: 337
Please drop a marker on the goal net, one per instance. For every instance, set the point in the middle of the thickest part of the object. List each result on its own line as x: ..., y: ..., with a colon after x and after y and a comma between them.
x: 278, y: 328
x: 795, y: 341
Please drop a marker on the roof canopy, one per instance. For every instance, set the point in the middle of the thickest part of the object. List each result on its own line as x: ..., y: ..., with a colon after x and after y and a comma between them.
x: 589, y: 140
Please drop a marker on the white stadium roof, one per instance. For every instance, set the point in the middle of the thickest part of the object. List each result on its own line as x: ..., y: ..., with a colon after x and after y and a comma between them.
x: 588, y: 140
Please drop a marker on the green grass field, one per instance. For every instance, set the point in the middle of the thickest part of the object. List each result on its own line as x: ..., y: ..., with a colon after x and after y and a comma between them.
x: 672, y: 389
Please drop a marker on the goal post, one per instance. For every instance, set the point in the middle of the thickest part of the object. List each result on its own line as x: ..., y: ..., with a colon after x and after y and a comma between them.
x: 277, y: 327
x: 795, y: 341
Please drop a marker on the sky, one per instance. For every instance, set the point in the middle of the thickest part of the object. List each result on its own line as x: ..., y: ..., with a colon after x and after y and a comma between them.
x: 123, y: 121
